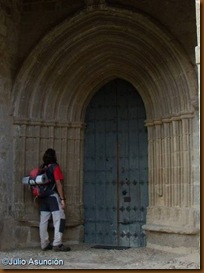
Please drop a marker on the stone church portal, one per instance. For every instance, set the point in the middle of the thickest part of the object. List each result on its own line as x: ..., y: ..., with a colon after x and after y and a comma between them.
x: 56, y: 84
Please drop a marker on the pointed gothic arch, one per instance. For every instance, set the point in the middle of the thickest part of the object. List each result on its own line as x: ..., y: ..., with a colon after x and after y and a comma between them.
x: 58, y: 79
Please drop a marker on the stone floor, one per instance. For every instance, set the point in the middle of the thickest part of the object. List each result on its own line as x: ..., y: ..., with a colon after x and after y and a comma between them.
x: 85, y: 257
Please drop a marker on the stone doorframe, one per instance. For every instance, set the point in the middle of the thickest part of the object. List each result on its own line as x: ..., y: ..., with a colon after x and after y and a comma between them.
x: 60, y: 76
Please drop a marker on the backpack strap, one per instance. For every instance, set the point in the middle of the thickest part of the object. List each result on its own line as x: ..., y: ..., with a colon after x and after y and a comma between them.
x: 50, y: 174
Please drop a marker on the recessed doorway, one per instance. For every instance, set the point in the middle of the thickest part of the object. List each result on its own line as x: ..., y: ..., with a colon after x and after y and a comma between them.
x: 115, y: 167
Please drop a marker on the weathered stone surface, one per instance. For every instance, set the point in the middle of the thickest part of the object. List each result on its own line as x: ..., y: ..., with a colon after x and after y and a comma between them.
x: 166, y: 240
x: 74, y: 234
x: 15, y: 234
x: 1, y: 227
x: 34, y: 236
x: 3, y: 30
x: 22, y: 233
x: 43, y: 105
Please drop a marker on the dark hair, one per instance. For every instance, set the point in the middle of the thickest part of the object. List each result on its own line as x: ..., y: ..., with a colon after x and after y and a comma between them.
x: 49, y: 156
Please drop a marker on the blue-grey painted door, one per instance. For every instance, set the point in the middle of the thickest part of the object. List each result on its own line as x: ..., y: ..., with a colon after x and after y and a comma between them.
x: 115, y: 167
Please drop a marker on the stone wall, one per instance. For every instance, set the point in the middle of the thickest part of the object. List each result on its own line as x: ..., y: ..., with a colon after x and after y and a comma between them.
x: 173, y: 169
x: 31, y: 139
x: 43, y: 16
x: 196, y: 166
x: 10, y: 15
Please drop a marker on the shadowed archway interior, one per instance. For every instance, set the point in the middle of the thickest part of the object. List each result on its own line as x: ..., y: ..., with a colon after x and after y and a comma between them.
x: 57, y: 81
x: 60, y: 76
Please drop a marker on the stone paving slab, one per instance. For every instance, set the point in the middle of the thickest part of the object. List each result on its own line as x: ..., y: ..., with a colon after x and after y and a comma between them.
x: 84, y: 257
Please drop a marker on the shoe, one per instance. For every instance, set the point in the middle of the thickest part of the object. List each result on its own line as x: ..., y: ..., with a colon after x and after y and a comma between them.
x: 61, y: 248
x: 48, y: 247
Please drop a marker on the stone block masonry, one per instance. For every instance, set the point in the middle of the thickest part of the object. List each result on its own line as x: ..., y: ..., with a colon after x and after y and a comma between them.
x: 47, y: 78
x: 9, y: 28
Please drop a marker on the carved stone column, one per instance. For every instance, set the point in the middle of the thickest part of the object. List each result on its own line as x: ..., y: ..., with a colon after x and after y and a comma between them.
x: 196, y: 164
x: 197, y: 49
x: 74, y: 182
x: 170, y: 176
x: 74, y: 185
x: 158, y: 170
x: 166, y: 152
x: 31, y: 139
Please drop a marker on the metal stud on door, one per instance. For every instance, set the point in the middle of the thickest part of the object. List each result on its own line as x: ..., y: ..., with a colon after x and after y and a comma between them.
x: 115, y: 167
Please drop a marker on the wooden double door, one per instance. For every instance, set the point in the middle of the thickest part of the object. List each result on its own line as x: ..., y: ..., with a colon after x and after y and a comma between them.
x: 115, y: 167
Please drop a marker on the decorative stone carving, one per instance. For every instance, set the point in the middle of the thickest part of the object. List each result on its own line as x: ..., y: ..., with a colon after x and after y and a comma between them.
x: 65, y: 99
x: 170, y: 161
x: 92, y: 4
x: 31, y: 139
x: 195, y: 102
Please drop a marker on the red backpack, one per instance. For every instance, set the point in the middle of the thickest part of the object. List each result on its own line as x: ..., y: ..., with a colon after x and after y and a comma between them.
x: 46, y: 178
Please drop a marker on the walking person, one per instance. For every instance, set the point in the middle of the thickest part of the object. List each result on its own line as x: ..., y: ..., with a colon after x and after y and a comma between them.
x: 53, y: 204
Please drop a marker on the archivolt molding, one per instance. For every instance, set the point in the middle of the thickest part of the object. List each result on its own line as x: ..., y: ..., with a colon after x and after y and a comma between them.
x: 188, y: 115
x: 50, y: 123
x: 73, y: 61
